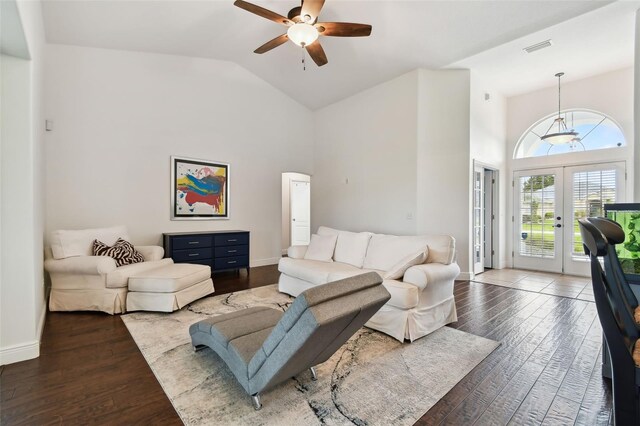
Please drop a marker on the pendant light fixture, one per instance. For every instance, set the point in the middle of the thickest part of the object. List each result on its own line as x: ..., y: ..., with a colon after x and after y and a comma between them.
x: 558, y: 133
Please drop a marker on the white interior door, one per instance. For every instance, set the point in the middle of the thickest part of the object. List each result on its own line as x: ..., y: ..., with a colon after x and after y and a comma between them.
x: 478, y: 220
x: 587, y: 189
x: 538, y: 196
x: 300, y: 203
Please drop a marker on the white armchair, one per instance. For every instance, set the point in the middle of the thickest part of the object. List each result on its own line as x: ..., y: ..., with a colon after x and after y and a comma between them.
x: 82, y: 282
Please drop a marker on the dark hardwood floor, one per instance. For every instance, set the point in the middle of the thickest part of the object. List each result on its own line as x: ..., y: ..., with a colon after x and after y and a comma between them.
x: 546, y: 370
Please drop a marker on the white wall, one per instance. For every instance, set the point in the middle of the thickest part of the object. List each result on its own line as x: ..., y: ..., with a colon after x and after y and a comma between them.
x: 369, y: 141
x: 22, y: 304
x: 404, y: 148
x: 636, y: 140
x: 443, y: 160
x: 488, y: 139
x: 120, y: 115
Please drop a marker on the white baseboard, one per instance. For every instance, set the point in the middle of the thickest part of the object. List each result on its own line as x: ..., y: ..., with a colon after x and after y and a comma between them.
x: 465, y: 276
x: 21, y: 352
x: 264, y: 262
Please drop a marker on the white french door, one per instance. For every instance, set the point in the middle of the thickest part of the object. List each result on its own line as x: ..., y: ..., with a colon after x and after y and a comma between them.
x: 548, y: 204
x: 478, y: 220
x: 587, y: 189
x: 538, y: 219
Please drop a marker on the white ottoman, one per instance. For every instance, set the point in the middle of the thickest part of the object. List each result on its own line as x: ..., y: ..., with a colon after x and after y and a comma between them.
x: 168, y: 288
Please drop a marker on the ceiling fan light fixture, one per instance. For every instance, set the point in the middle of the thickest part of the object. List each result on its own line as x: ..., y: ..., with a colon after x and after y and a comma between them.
x: 302, y: 34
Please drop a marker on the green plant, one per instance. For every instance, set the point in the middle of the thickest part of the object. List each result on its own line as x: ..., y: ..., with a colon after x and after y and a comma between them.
x: 629, y: 251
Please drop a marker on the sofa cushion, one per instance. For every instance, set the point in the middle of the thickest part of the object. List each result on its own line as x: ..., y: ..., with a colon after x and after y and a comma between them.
x: 442, y: 249
x: 313, y: 271
x: 386, y: 251
x: 398, y: 270
x: 351, y: 248
x: 325, y: 230
x: 121, y: 251
x: 68, y: 243
x: 403, y: 295
x: 341, y: 275
x: 321, y: 248
x: 120, y: 277
x: 169, y: 278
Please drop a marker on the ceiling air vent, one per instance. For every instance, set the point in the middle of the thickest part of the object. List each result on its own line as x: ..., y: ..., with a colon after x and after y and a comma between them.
x: 537, y: 46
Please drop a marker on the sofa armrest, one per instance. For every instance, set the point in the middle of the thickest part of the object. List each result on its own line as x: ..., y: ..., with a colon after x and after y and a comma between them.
x: 431, y: 274
x: 297, y: 252
x: 81, y: 265
x: 150, y: 252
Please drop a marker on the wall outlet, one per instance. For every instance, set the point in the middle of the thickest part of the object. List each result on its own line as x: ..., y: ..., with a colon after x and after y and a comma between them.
x: 409, y: 216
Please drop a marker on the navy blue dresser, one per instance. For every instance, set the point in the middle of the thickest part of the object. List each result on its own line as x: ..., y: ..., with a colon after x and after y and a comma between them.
x: 222, y: 250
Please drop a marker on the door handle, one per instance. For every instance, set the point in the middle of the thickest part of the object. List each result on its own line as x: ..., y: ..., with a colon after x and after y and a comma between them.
x: 558, y: 225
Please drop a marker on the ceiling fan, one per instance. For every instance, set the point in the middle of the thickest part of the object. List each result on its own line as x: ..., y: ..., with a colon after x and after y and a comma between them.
x: 304, y: 28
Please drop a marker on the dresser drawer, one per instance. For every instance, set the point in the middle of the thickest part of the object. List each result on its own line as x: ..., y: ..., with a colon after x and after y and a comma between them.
x: 231, y: 239
x: 193, y: 254
x: 207, y: 262
x: 231, y: 262
x: 191, y: 242
x: 231, y: 251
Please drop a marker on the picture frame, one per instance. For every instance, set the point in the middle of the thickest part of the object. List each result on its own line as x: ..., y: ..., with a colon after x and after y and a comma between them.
x: 199, y: 189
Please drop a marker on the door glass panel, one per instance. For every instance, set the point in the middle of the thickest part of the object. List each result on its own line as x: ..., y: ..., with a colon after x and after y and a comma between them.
x: 477, y: 217
x: 591, y: 190
x: 537, y: 215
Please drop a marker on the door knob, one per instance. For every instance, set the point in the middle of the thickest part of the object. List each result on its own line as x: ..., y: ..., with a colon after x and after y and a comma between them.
x: 558, y: 218
x: 558, y: 226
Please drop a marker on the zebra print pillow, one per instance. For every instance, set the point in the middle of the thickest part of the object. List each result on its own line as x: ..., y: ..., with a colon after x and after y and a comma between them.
x: 122, y: 252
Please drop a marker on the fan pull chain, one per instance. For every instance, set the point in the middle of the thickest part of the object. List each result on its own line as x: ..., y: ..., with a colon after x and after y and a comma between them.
x: 304, y: 64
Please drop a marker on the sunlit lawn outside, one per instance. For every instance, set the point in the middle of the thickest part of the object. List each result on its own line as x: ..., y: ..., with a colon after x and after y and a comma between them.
x: 535, y: 232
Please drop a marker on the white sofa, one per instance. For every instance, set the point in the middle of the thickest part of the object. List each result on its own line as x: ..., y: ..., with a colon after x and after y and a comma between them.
x: 82, y: 282
x: 421, y: 300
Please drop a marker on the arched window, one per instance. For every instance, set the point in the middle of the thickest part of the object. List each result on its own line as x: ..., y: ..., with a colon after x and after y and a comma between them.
x: 595, y: 131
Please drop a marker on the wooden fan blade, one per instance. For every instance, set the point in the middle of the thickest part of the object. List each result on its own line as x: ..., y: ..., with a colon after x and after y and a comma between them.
x: 317, y: 53
x: 261, y: 11
x: 272, y: 44
x: 311, y: 8
x: 343, y: 29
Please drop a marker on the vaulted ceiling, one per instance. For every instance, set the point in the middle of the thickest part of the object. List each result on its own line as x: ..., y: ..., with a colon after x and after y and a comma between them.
x: 406, y: 35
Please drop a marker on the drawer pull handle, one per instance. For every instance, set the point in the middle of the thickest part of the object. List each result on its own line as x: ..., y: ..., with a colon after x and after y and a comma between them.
x: 232, y: 261
x: 232, y: 240
x: 194, y: 242
x: 232, y: 251
x: 193, y: 254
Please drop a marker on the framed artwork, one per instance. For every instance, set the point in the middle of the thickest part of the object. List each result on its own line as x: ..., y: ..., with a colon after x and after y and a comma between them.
x: 199, y: 189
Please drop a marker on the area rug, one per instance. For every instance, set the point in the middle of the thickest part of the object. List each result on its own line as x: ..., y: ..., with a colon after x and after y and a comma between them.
x: 371, y: 380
